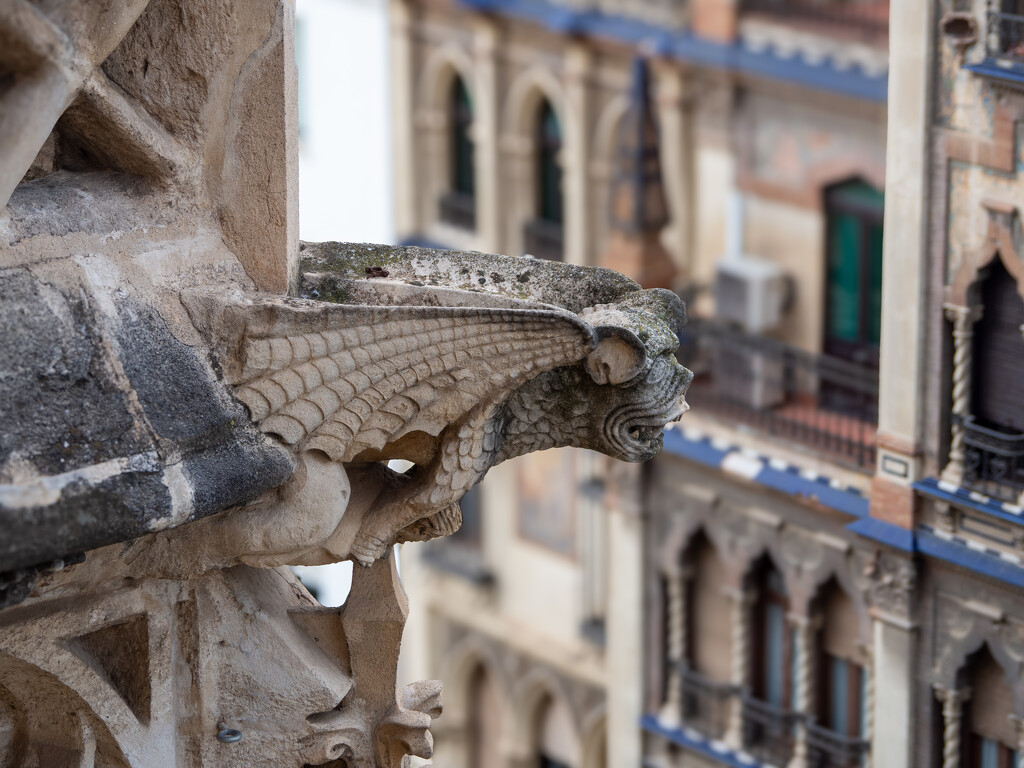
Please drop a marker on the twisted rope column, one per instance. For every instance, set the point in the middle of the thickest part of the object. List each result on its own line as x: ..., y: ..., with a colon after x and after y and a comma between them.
x: 869, y: 715
x: 805, y: 628
x: 676, y: 650
x: 1019, y: 723
x: 963, y: 319
x: 952, y: 713
x: 740, y: 671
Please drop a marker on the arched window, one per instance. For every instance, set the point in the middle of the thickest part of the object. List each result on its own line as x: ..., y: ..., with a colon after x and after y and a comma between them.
x: 549, y: 168
x: 772, y: 664
x: 768, y: 721
x: 542, y: 234
x: 461, y: 120
x: 990, y: 736
x: 458, y: 204
x: 706, y: 678
x: 839, y: 729
x: 997, y: 382
x: 853, y: 295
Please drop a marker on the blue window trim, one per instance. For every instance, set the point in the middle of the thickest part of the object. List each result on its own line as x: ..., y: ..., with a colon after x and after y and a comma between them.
x: 929, y: 487
x: 700, y: 745
x: 688, y: 47
x: 1010, y: 75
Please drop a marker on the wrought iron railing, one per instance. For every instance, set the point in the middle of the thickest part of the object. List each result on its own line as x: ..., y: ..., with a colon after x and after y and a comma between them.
x: 458, y: 209
x: 1005, y: 36
x: 828, y: 749
x: 768, y: 731
x: 823, y: 402
x: 993, y: 461
x: 705, y: 703
x: 867, y: 17
x: 543, y: 239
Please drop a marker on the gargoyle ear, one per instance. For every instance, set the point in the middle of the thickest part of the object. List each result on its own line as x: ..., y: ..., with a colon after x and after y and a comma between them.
x: 617, y: 358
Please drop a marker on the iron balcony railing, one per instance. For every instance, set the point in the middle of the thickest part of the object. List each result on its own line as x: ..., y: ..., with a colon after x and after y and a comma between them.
x: 869, y: 18
x: 993, y: 461
x: 768, y: 731
x: 706, y: 703
x: 822, y: 402
x: 543, y: 239
x: 458, y: 209
x: 828, y: 749
x: 1004, y: 40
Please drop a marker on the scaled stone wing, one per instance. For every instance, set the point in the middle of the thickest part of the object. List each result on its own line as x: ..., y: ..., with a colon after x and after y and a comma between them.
x: 350, y: 380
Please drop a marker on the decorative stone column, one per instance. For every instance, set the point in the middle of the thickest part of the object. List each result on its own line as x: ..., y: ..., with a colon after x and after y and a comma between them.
x: 517, y: 150
x: 869, y: 715
x: 963, y: 319
x: 576, y: 154
x: 625, y: 615
x: 485, y: 136
x: 406, y: 215
x: 740, y: 677
x: 891, y: 591
x: 805, y: 628
x: 433, y: 126
x: 952, y: 714
x: 1019, y: 722
x: 676, y: 123
x: 671, y: 713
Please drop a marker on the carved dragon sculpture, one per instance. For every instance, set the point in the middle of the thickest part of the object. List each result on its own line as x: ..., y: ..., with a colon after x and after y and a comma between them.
x: 452, y: 361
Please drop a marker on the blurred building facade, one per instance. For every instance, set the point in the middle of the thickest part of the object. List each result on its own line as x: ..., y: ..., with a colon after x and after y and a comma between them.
x: 824, y: 566
x: 562, y: 619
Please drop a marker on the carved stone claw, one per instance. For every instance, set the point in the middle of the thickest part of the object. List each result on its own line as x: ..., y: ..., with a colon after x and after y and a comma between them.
x: 368, y: 549
x: 444, y: 522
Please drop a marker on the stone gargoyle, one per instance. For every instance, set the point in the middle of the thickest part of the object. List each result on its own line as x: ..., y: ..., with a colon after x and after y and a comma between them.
x: 452, y: 361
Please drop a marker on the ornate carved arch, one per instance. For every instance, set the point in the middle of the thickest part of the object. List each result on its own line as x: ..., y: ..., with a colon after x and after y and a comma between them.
x: 1001, y: 241
x: 458, y: 666
x: 962, y: 629
x: 536, y: 687
x: 439, y: 69
x: 524, y: 98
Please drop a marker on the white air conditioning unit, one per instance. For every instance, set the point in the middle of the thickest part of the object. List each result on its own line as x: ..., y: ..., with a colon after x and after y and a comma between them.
x: 750, y: 292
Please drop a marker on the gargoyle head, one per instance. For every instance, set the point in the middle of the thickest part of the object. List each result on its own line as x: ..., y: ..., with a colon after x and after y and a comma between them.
x: 619, y: 400
x: 636, y: 387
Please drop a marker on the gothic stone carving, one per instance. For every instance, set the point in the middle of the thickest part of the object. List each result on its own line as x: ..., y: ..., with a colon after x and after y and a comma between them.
x: 891, y: 582
x: 452, y: 380
x: 454, y: 383
x: 963, y: 626
x: 175, y: 427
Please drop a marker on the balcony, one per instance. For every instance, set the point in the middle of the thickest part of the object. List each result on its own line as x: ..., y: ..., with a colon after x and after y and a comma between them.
x: 993, y: 461
x: 458, y: 209
x: 866, y: 19
x: 705, y: 703
x: 768, y: 731
x: 543, y: 239
x: 828, y: 749
x: 825, y: 403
